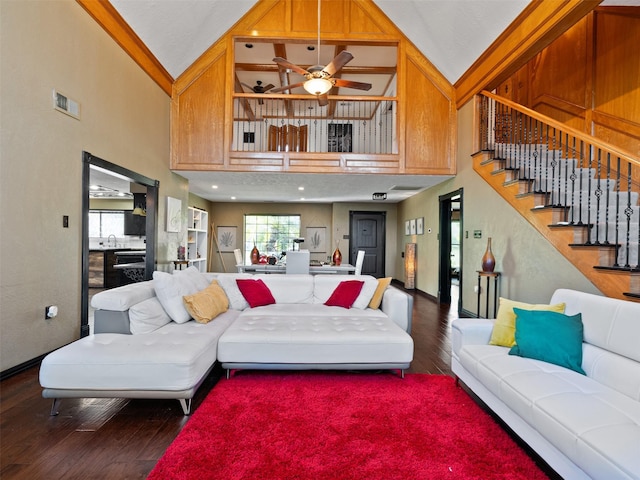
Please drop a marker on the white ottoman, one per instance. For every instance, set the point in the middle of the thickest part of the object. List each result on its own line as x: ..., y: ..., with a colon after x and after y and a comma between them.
x: 315, y: 342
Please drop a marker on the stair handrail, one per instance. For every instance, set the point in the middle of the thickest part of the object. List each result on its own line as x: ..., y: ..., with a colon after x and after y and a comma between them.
x: 588, y: 139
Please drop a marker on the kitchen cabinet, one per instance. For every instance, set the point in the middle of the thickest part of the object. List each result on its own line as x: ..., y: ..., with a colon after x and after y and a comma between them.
x: 101, y: 271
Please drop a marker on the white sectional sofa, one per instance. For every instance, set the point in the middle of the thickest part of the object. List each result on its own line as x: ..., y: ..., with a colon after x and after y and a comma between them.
x: 140, y: 352
x: 583, y: 426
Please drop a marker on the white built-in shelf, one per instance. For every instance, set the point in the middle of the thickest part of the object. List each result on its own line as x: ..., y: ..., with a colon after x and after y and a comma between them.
x: 197, y: 241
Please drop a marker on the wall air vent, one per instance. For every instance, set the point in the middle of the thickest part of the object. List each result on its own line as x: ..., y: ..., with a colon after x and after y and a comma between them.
x: 66, y: 105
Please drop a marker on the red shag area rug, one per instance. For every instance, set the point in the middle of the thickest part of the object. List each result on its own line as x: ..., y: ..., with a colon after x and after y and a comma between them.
x: 335, y: 426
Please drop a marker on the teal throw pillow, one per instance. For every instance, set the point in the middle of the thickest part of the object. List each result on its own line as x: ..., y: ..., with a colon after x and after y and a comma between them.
x: 549, y: 336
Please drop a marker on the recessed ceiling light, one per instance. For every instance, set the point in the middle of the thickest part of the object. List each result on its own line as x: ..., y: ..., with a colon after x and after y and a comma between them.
x: 233, y: 198
x: 214, y: 186
x: 300, y: 188
x: 302, y: 199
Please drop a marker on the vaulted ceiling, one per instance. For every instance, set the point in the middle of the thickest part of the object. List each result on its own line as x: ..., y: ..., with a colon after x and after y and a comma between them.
x: 452, y: 34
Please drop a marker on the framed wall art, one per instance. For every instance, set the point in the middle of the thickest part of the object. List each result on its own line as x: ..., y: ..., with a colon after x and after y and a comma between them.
x: 407, y: 227
x: 174, y: 214
x: 412, y: 226
x: 227, y: 239
x: 316, y: 240
x: 420, y: 225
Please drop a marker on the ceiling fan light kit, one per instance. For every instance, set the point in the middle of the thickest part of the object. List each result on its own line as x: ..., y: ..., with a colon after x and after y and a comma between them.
x: 319, y: 78
x: 318, y: 85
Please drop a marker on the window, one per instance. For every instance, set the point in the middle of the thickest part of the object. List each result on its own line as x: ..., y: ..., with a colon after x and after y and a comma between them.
x: 103, y: 223
x: 272, y: 234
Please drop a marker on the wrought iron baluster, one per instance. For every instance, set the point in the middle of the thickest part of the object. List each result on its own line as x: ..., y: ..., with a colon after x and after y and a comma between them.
x: 598, y: 197
x: 617, y: 221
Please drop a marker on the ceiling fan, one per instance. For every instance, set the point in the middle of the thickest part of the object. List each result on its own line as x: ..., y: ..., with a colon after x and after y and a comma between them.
x: 319, y: 78
x: 259, y: 88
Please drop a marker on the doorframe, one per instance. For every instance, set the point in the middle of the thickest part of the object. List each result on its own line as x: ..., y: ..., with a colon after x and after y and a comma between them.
x: 151, y: 221
x: 444, y: 254
x: 352, y: 255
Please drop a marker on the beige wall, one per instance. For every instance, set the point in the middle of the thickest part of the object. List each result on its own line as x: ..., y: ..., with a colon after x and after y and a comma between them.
x: 232, y: 214
x: 124, y: 119
x: 335, y: 217
x: 531, y: 268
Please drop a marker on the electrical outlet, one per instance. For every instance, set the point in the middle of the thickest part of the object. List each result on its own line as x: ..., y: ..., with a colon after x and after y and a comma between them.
x: 50, y: 312
x: 477, y: 289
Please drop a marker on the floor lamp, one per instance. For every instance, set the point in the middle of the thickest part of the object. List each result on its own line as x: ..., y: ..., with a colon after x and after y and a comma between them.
x: 410, y: 266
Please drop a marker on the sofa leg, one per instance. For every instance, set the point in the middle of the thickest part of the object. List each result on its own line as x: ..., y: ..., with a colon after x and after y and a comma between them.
x: 54, y: 406
x: 185, y: 403
x: 228, y: 373
x: 457, y: 381
x: 402, y: 374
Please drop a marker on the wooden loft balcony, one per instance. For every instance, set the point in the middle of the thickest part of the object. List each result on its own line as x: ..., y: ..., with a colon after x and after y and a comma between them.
x: 406, y: 127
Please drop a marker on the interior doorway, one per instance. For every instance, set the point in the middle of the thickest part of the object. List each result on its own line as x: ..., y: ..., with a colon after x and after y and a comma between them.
x: 88, y: 162
x: 450, y: 273
x: 367, y: 231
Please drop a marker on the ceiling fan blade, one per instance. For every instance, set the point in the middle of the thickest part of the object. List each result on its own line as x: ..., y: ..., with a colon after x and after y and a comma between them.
x: 337, y: 63
x: 323, y: 100
x: 247, y: 86
x: 350, y: 84
x: 283, y: 62
x: 267, y: 87
x: 287, y: 87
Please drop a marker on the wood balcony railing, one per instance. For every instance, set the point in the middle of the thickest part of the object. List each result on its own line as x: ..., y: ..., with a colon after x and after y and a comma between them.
x: 297, y: 123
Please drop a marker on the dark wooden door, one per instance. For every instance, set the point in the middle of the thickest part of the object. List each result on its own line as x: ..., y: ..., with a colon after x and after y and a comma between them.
x: 367, y: 232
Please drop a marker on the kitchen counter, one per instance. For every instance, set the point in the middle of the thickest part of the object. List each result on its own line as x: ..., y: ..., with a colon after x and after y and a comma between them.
x: 102, y: 261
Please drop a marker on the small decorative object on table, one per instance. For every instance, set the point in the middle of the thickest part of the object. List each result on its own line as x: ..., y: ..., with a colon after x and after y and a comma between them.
x: 181, y: 251
x: 255, y: 255
x: 488, y: 260
x: 337, y: 255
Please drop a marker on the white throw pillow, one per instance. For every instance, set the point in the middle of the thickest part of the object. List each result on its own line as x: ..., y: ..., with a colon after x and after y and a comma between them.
x: 228, y: 283
x: 366, y: 294
x: 147, y: 316
x: 170, y: 289
x: 193, y: 275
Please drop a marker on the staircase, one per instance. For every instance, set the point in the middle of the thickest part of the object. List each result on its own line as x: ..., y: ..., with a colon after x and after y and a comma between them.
x: 580, y: 193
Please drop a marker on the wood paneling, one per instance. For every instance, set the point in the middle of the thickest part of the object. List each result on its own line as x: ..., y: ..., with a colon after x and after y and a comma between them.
x: 589, y: 77
x: 203, y: 96
x: 197, y: 124
x: 537, y: 26
x: 616, y: 95
x: 429, y: 146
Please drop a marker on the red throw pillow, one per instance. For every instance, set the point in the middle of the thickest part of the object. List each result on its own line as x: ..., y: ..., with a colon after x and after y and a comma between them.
x: 255, y: 292
x: 345, y: 294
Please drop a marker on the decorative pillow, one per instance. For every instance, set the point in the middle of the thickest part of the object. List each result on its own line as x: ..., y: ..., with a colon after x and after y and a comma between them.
x: 207, y: 304
x: 228, y: 283
x: 147, y: 316
x: 376, y: 300
x: 170, y: 289
x: 345, y: 294
x: 368, y: 289
x: 505, y: 324
x: 255, y: 292
x: 193, y: 275
x: 549, y: 336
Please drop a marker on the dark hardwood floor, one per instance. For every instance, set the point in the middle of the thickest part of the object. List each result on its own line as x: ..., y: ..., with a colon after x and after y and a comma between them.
x: 123, y: 439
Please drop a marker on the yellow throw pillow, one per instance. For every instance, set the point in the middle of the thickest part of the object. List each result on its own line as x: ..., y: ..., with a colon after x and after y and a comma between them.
x: 504, y: 328
x: 376, y: 300
x: 207, y: 304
